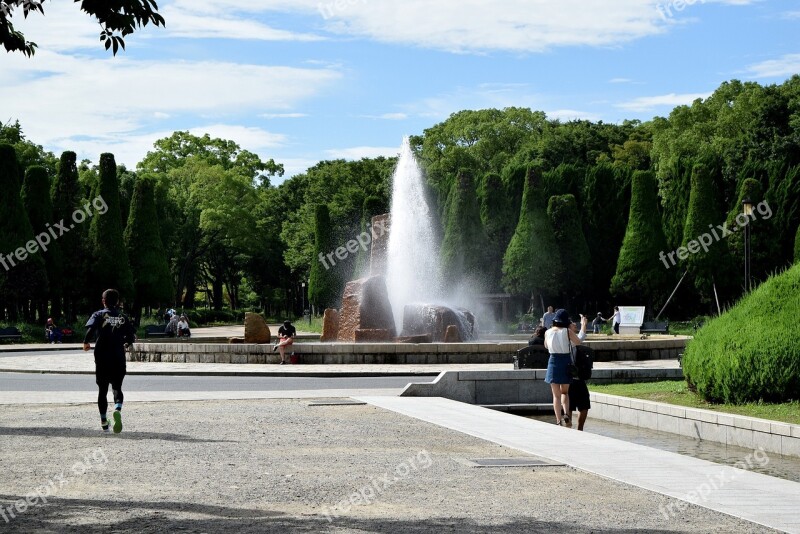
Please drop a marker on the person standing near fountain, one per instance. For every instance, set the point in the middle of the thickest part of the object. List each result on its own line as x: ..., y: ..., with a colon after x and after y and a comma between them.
x: 558, y: 340
x: 547, y: 318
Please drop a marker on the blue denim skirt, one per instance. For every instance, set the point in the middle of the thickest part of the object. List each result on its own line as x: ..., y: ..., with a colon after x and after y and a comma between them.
x: 557, y: 372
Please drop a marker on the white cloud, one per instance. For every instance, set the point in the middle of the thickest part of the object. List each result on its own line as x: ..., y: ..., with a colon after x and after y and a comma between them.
x: 283, y: 115
x: 388, y: 116
x: 620, y: 80
x: 182, y: 23
x: 79, y: 103
x: 648, y: 103
x: 359, y: 152
x: 782, y: 67
x: 791, y: 15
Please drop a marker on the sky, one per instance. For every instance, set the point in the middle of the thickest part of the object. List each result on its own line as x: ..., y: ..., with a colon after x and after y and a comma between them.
x: 301, y: 81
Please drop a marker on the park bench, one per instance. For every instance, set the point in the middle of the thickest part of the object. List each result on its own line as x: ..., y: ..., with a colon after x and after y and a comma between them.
x: 531, y: 357
x: 154, y: 330
x: 10, y: 333
x: 653, y: 327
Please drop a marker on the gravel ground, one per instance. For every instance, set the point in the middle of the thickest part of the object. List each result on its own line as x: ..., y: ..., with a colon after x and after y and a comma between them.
x: 285, y: 466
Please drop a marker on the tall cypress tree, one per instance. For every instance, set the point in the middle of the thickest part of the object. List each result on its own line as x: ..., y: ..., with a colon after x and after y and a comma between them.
x: 499, y: 221
x: 531, y: 260
x: 151, y: 277
x: 66, y: 198
x: 575, y: 269
x: 323, y: 282
x: 110, y: 267
x: 36, y: 199
x: 372, y: 206
x: 706, y: 268
x: 606, y: 201
x: 641, y: 277
x: 22, y: 272
x: 464, y: 243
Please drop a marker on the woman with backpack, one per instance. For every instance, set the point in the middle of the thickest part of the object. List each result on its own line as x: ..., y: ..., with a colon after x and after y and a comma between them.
x: 558, y: 340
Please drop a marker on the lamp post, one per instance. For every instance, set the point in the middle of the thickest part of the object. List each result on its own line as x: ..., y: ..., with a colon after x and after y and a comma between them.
x: 303, y: 291
x: 747, y: 209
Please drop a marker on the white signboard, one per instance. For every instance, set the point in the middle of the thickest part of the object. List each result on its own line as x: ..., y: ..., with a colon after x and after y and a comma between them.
x: 631, y: 320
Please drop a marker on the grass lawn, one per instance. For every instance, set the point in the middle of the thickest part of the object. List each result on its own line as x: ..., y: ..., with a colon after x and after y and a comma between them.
x: 676, y: 392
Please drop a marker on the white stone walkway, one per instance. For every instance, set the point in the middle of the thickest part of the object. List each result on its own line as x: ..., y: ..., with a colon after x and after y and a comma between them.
x: 758, y: 498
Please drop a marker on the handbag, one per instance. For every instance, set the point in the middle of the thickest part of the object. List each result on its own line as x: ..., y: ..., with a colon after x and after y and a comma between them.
x: 572, y: 369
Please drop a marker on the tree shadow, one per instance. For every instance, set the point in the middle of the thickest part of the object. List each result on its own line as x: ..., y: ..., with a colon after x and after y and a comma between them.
x: 66, y: 432
x: 70, y: 515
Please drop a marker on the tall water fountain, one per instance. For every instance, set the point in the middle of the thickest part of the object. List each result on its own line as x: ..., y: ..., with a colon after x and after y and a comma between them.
x: 413, y: 272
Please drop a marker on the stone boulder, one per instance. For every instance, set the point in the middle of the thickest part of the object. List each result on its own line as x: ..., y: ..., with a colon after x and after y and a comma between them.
x: 375, y: 335
x: 256, y: 329
x: 451, y: 335
x: 365, y: 306
x: 330, y: 325
x: 434, y: 319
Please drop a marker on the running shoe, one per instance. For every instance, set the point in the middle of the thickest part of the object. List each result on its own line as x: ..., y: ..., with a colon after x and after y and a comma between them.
x: 117, y: 421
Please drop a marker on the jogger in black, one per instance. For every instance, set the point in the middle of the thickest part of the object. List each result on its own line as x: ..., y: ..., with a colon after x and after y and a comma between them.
x: 113, y: 331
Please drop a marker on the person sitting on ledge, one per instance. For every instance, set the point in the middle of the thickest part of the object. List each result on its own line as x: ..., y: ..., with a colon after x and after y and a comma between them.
x: 52, y: 331
x: 286, y: 334
x: 538, y: 336
x: 183, y: 327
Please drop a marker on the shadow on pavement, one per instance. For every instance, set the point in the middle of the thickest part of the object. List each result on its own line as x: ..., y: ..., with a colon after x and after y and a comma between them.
x: 64, y: 432
x: 85, y: 515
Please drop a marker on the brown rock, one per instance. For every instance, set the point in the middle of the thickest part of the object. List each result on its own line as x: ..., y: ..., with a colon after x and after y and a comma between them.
x: 365, y: 306
x: 256, y: 329
x: 330, y: 325
x: 451, y: 335
x: 379, y: 250
x: 374, y: 335
x: 420, y: 319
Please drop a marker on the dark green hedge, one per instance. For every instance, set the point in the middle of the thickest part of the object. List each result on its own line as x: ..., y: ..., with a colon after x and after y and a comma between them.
x: 752, y: 352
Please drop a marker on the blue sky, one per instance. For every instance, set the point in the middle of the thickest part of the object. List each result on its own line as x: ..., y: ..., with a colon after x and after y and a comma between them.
x: 305, y: 80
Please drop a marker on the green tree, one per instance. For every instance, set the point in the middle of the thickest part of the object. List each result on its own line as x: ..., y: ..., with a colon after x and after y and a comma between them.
x: 606, y: 203
x: 110, y: 267
x: 641, y: 278
x: 323, y: 285
x: 463, y: 253
x: 23, y: 278
x: 372, y: 206
x: 36, y: 199
x: 152, y: 281
x: 763, y: 250
x: 117, y: 20
x: 575, y: 268
x: 707, y: 266
x: 531, y: 261
x: 797, y: 246
x: 66, y: 199
x: 499, y: 221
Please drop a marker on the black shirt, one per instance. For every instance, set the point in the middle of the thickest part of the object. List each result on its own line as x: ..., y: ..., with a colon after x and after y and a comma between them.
x: 111, y: 330
x: 290, y: 331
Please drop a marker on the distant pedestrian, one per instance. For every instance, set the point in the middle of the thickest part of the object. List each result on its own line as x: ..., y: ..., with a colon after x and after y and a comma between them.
x: 52, y: 331
x: 286, y: 334
x: 598, y: 323
x: 183, y: 327
x: 616, y: 319
x: 112, y: 332
x: 558, y: 341
x: 547, y: 318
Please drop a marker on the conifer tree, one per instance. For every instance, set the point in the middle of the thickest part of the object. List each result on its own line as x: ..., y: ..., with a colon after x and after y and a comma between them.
x: 22, y: 272
x: 464, y: 243
x: 110, y: 267
x: 641, y: 277
x: 36, y: 199
x: 151, y: 277
x: 499, y: 222
x: 372, y: 206
x: 531, y: 260
x: 575, y: 269
x: 323, y: 282
x: 66, y: 199
x: 706, y: 267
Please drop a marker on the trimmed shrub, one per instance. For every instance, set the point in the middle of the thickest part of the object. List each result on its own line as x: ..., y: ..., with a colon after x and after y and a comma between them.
x: 575, y: 269
x: 752, y: 352
x: 797, y: 246
x: 323, y: 282
x: 464, y: 244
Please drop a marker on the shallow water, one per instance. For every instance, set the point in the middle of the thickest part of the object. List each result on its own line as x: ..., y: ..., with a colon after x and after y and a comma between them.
x: 778, y: 466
